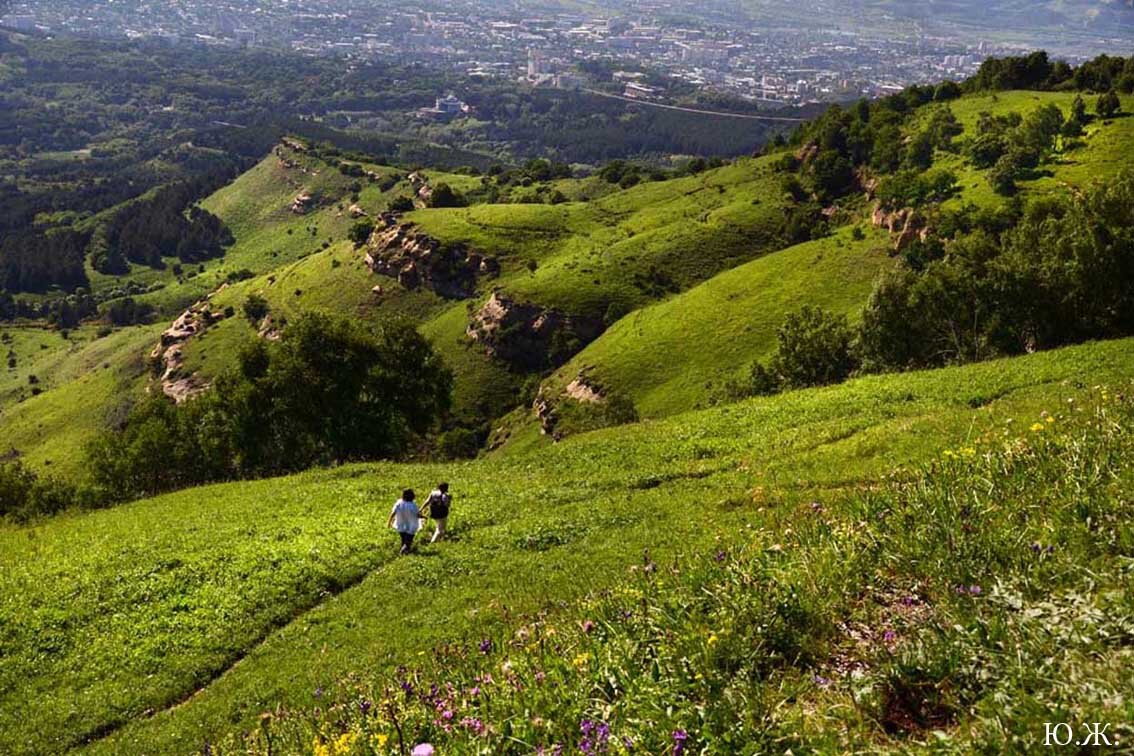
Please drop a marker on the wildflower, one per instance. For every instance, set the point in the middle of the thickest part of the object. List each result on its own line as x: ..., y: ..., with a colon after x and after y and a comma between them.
x: 595, y: 736
x: 447, y: 714
x: 713, y: 639
x: 474, y: 691
x: 1050, y: 419
x: 473, y: 724
x: 381, y: 739
x: 319, y: 748
x: 816, y: 507
x: 318, y: 692
x: 1037, y: 427
x: 407, y: 686
x: 1036, y: 548
x: 679, y: 738
x: 588, y: 626
x: 345, y: 742
x: 889, y: 636
x: 974, y: 590
x: 539, y: 675
x: 821, y: 681
x: 422, y: 749
x: 486, y: 646
x: 581, y: 660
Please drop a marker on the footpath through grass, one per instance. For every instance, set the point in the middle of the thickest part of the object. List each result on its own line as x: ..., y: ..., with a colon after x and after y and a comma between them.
x: 111, y: 617
x: 956, y: 610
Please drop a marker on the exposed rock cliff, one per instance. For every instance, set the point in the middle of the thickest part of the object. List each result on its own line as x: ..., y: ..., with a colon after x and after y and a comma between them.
x: 529, y: 336
x: 905, y: 225
x: 169, y: 356
x: 417, y: 259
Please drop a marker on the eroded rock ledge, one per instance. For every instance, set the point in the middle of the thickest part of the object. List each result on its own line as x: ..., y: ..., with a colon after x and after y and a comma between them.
x: 169, y: 355
x: 416, y: 259
x: 528, y: 336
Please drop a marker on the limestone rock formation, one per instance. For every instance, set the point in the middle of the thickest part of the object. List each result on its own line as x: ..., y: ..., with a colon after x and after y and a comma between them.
x: 906, y: 225
x: 169, y: 355
x: 416, y: 259
x: 530, y: 336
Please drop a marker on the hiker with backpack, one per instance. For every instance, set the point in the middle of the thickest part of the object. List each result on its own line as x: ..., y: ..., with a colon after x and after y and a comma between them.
x: 437, y: 506
x: 406, y: 518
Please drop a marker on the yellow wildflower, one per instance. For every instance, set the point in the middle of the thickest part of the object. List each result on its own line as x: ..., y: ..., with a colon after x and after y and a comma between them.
x: 1037, y: 427
x: 581, y: 660
x: 380, y: 740
x: 319, y: 748
x: 1050, y: 419
x: 713, y: 639
x: 345, y: 742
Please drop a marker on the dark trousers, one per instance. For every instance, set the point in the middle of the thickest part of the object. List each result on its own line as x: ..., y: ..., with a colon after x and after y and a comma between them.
x: 407, y: 542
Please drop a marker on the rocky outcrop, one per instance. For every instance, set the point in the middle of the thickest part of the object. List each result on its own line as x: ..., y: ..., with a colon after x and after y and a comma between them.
x: 357, y: 212
x: 416, y: 259
x: 302, y: 203
x: 906, y: 225
x: 169, y: 355
x: 529, y: 336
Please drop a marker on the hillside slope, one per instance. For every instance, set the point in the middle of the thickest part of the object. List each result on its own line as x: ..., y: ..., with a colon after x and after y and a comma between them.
x: 161, y: 625
x: 732, y: 319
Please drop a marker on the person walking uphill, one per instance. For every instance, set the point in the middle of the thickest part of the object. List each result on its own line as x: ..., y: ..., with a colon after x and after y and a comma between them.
x: 406, y: 519
x: 437, y: 506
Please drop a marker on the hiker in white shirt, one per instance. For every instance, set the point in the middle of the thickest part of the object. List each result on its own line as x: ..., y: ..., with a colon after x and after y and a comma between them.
x: 437, y: 507
x: 406, y: 519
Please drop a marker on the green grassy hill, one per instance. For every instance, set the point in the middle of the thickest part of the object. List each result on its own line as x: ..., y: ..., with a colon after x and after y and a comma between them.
x: 733, y: 317
x: 162, y: 625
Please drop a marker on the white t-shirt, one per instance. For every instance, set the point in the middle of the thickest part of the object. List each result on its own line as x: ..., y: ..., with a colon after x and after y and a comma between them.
x: 405, y: 517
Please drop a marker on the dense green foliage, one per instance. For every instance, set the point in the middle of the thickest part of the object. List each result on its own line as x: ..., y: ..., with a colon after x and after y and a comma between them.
x: 1060, y: 272
x: 326, y: 392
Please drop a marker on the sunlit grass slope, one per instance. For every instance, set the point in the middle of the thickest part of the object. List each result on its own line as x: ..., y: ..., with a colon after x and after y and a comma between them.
x: 110, y: 616
x: 674, y: 355
x: 86, y: 388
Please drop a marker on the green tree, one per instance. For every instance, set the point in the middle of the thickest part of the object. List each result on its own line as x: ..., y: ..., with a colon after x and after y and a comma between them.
x: 255, y: 308
x: 813, y: 349
x: 1108, y: 104
x: 360, y: 231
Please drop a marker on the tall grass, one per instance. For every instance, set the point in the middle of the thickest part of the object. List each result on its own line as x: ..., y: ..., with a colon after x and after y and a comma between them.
x: 958, y: 608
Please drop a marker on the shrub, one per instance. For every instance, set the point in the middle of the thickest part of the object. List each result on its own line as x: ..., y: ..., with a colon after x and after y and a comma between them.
x: 814, y: 349
x: 255, y: 308
x: 360, y: 232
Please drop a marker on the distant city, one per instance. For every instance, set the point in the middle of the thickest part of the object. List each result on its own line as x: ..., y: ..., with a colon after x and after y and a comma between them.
x: 640, y: 52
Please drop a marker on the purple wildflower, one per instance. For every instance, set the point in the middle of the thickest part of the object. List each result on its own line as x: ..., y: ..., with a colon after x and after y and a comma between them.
x: 974, y: 590
x: 1036, y: 548
x: 364, y: 706
x: 821, y: 681
x: 474, y: 691
x: 889, y: 636
x: 588, y: 626
x: 422, y: 749
x: 486, y: 646
x: 407, y: 686
x: 679, y: 738
x: 1050, y: 549
x: 720, y: 556
x: 474, y: 724
x: 816, y: 507
x: 318, y: 692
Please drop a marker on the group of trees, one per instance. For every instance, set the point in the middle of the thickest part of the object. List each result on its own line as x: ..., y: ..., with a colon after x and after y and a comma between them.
x: 328, y: 391
x: 163, y: 224
x: 1057, y: 272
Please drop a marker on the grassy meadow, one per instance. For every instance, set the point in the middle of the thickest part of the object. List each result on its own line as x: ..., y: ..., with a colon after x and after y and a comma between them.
x: 168, y: 623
